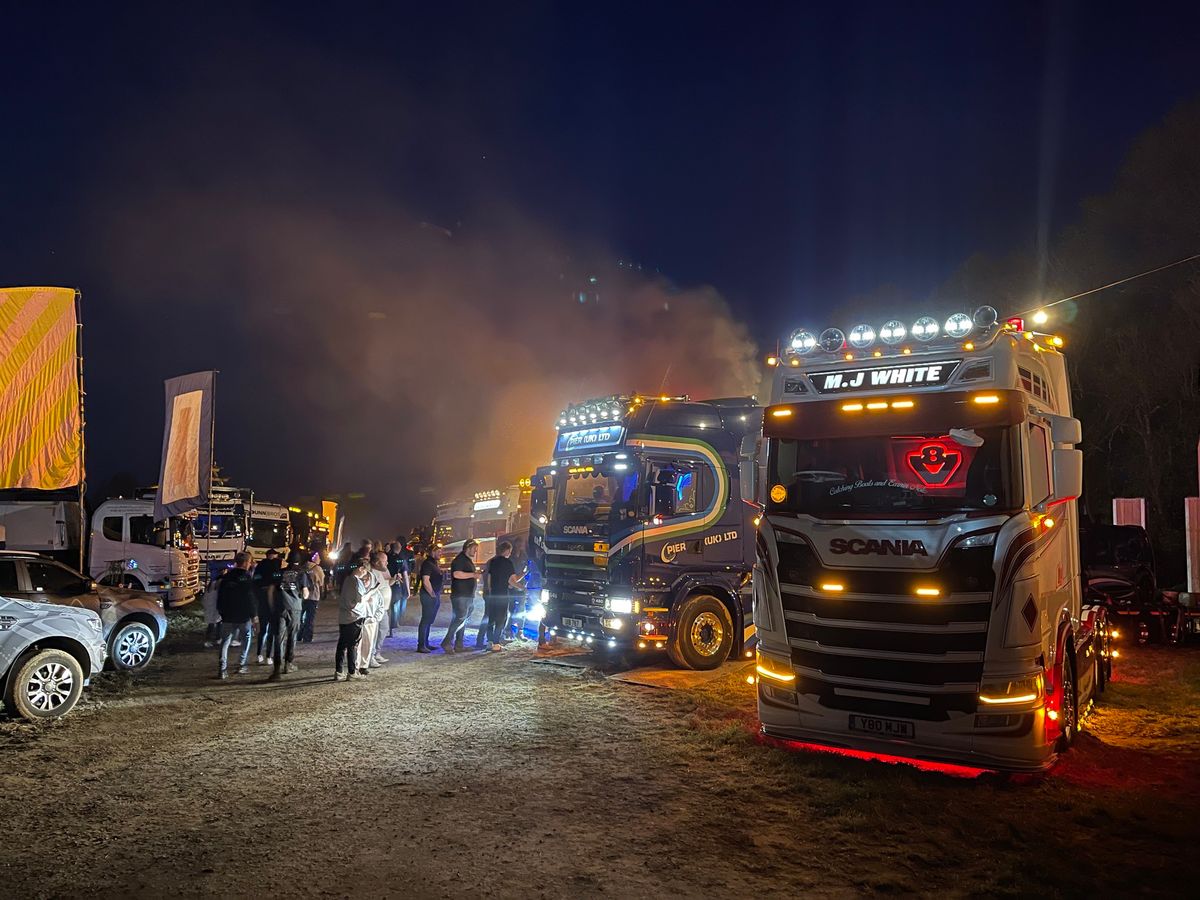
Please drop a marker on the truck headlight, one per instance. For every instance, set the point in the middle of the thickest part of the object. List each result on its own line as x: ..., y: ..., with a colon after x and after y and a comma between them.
x: 1028, y: 689
x: 774, y: 668
x: 626, y: 605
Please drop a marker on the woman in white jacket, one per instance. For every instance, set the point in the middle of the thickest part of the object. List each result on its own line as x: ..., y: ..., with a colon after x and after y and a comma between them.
x: 379, y: 594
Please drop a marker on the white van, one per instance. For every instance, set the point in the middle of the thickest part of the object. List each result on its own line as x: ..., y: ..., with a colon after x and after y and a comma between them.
x: 130, y: 549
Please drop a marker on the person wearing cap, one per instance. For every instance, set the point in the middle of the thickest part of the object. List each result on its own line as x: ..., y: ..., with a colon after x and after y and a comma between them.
x: 295, y: 585
x: 316, y: 574
x: 462, y: 596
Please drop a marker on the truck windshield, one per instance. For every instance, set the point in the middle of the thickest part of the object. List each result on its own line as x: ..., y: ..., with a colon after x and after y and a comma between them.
x: 268, y: 534
x: 592, y: 496
x: 959, y: 470
x: 218, y: 525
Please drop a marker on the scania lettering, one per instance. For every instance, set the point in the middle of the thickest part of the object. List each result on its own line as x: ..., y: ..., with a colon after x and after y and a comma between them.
x: 648, y: 542
x: 918, y: 586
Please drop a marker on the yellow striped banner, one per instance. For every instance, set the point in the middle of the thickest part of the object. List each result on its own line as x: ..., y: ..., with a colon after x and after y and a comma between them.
x: 41, y: 430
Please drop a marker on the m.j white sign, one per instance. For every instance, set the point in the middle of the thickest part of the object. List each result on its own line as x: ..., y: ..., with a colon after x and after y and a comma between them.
x: 882, y: 378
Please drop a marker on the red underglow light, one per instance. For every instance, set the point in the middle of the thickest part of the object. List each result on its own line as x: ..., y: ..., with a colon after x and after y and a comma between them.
x: 951, y: 769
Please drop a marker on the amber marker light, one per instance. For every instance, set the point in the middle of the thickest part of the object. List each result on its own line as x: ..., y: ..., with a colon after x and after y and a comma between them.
x: 907, y: 351
x: 928, y: 592
x: 969, y: 346
x: 878, y: 404
x: 902, y: 404
x: 772, y: 360
x: 849, y: 356
x: 986, y: 399
x: 781, y: 413
x: 852, y: 407
x: 833, y: 587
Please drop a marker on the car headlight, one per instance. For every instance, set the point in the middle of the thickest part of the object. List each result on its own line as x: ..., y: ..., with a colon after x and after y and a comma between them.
x: 625, y: 605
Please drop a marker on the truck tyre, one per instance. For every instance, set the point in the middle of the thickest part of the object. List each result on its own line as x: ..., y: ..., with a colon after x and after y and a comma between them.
x: 131, y: 646
x: 703, y: 633
x: 44, y: 685
x: 1068, y: 707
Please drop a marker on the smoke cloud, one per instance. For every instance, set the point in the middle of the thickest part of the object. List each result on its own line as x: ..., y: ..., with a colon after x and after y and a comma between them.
x: 363, y: 348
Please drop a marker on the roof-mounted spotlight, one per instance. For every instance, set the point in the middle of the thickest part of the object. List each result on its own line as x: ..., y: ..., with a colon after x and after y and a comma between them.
x: 803, y: 342
x: 862, y: 336
x: 985, y: 317
x: 893, y: 332
x: 832, y: 340
x: 925, y: 328
x: 958, y: 325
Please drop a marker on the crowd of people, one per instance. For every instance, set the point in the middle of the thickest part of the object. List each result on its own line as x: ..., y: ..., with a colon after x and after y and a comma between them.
x: 272, y: 605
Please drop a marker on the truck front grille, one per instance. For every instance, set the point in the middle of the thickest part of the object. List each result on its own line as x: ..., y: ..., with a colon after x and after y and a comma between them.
x: 875, y: 647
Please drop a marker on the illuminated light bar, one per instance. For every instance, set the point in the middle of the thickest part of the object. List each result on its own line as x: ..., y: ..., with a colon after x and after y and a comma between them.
x: 986, y: 399
x: 852, y: 407
x: 781, y: 413
x: 902, y: 404
x: 833, y: 587
x: 776, y: 676
x: 1008, y: 698
x: 928, y: 592
x: 580, y: 470
x: 877, y: 404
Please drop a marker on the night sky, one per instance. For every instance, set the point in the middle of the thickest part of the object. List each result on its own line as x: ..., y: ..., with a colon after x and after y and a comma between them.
x: 310, y: 198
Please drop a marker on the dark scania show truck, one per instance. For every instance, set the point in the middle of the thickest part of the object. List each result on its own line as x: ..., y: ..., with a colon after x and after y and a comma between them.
x: 646, y: 529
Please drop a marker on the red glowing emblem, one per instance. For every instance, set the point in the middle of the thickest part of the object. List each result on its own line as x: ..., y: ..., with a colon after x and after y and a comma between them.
x: 935, y: 464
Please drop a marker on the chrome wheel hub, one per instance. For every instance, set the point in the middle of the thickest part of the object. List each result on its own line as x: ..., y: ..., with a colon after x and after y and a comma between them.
x: 707, y: 633
x: 49, y: 687
x: 133, y: 648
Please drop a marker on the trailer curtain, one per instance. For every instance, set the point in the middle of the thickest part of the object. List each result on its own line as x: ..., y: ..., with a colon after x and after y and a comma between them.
x: 41, y: 425
x: 185, y: 477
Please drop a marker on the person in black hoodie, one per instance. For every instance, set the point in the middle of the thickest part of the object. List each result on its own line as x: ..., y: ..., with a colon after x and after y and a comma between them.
x: 237, y: 602
x: 266, y: 579
x: 294, y: 588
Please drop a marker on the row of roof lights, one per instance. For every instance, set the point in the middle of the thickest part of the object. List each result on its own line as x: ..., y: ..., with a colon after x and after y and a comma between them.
x: 892, y: 332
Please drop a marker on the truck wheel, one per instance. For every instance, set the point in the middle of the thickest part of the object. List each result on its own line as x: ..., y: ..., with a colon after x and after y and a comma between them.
x: 45, y: 685
x: 703, y: 633
x: 1068, y: 707
x: 131, y: 646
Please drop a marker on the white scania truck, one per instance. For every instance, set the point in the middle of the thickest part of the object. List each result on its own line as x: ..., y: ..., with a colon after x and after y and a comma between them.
x: 918, y: 589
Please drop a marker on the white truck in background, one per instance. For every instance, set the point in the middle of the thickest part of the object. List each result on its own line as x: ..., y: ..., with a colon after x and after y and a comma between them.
x: 128, y: 548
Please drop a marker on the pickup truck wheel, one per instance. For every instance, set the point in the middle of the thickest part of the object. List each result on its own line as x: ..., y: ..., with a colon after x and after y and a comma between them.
x: 703, y: 634
x: 45, y: 685
x: 131, y: 646
x: 1068, y: 707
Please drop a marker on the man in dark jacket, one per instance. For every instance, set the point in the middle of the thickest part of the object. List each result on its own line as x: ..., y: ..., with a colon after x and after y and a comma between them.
x: 294, y: 588
x: 237, y: 602
x: 266, y: 579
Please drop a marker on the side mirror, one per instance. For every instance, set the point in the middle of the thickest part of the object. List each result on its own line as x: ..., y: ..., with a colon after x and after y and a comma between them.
x: 1065, y: 430
x: 1068, y: 473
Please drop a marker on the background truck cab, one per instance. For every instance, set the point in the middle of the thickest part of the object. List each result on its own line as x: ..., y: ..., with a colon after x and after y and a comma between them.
x: 130, y: 549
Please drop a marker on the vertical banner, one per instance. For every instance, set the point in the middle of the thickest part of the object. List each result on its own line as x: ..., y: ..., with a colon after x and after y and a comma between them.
x: 185, y: 478
x: 41, y: 425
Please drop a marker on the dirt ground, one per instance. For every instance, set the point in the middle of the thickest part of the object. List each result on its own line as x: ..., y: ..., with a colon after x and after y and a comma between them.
x: 494, y: 776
